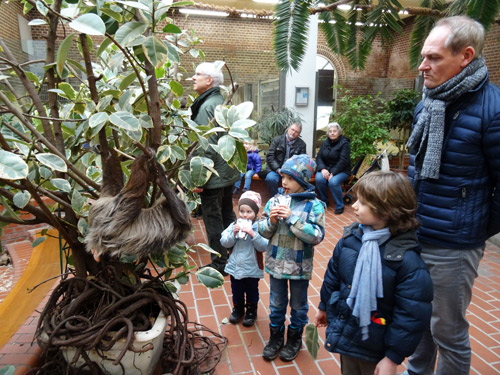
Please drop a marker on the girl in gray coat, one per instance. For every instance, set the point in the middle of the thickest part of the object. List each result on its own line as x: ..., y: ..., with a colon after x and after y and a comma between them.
x: 245, y: 263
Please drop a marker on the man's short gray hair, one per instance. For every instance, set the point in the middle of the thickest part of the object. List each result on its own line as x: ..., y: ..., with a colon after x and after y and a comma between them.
x: 334, y: 125
x: 298, y: 123
x: 465, y: 32
x: 212, y: 70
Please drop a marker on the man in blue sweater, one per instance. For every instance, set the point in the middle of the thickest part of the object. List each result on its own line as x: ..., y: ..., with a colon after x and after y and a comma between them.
x: 454, y: 166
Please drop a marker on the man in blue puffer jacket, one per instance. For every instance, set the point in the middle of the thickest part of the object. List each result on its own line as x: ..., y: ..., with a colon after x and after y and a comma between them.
x: 454, y: 166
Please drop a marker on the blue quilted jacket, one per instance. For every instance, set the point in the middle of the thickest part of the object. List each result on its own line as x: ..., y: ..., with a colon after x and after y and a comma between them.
x: 405, y: 307
x: 461, y: 209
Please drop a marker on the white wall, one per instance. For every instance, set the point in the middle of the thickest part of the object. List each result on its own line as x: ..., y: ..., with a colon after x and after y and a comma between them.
x: 305, y: 77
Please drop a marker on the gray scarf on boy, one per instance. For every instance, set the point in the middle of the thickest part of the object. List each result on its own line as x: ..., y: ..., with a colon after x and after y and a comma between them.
x: 367, y: 280
x: 428, y: 133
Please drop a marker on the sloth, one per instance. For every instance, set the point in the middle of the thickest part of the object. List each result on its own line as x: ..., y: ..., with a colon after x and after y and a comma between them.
x: 121, y: 224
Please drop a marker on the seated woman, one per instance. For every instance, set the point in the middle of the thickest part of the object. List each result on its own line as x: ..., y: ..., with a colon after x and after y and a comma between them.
x: 334, y: 166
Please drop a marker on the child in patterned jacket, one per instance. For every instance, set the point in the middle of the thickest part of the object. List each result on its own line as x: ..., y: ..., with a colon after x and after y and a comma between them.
x: 294, y: 223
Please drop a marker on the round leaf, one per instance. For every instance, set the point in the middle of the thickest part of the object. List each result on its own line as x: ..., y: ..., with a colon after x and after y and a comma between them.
x: 12, y: 167
x: 61, y: 184
x: 89, y: 23
x: 155, y: 51
x: 125, y: 120
x: 129, y: 32
x: 245, y: 109
x: 176, y: 87
x: 21, y: 199
x: 210, y: 277
x: 185, y: 178
x: 226, y: 146
x: 52, y: 161
x: 97, y: 119
x: 199, y: 172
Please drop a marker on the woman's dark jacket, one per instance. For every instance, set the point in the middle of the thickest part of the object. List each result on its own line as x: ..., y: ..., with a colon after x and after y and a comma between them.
x: 335, y: 156
x: 406, y: 305
x: 277, y: 151
x: 461, y: 209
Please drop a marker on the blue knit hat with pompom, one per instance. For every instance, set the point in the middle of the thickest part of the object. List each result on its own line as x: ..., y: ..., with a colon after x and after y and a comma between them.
x: 301, y: 168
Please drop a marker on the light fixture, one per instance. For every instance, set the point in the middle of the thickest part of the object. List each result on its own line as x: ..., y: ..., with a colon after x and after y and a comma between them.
x: 202, y: 12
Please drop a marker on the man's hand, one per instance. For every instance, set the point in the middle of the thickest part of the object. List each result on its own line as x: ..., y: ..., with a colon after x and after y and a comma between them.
x: 198, y: 190
x: 386, y: 367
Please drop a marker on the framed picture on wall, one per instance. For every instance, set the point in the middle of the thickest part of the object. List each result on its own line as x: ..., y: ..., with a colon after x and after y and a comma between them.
x: 301, y: 96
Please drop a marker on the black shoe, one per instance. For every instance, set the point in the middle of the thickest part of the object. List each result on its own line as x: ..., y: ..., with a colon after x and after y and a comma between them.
x: 237, y: 314
x: 339, y: 211
x: 275, y: 343
x: 250, y: 315
x: 293, y: 344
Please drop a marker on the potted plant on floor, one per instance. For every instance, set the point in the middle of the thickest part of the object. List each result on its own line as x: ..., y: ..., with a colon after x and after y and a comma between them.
x: 101, y: 125
x: 400, y: 116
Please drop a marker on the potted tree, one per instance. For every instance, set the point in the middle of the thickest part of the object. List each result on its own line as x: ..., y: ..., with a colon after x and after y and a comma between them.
x: 113, y: 111
x: 399, y: 111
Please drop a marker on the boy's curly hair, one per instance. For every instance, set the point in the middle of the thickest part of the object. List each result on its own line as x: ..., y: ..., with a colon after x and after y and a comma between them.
x: 391, y: 197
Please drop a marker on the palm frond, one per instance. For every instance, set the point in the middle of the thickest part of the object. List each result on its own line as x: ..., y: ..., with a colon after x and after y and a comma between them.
x: 353, y: 40
x: 384, y: 20
x: 484, y: 11
x: 423, y: 25
x: 291, y: 28
x: 334, y: 27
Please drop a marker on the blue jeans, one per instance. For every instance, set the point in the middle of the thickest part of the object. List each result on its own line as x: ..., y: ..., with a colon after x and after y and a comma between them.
x: 248, y: 180
x: 272, y: 181
x: 278, y: 301
x: 335, y: 186
x: 453, y: 273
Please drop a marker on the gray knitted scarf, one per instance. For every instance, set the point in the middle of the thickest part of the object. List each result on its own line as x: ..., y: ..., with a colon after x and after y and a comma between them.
x: 428, y: 133
x: 367, y: 283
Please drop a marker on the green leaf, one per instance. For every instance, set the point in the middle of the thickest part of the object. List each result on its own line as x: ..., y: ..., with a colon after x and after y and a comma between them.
x: 156, y: 52
x: 89, y: 23
x: 83, y: 226
x: 312, y: 340
x: 77, y: 65
x: 129, y: 32
x: 240, y: 158
x: 125, y: 120
x: 220, y: 115
x: 243, y: 124
x: 226, y: 146
x: 210, y: 277
x: 199, y: 172
x: 61, y: 184
x: 184, y: 177
x: 38, y: 241
x: 68, y: 90
x: 77, y: 201
x: 21, y: 199
x: 12, y: 167
x: 62, y: 53
x: 172, y: 29
x: 134, y: 4
x: 105, y: 43
x: 127, y: 81
x: 176, y: 87
x: 45, y: 172
x: 182, y: 3
x: 98, y: 119
x: 177, y: 255
x: 116, y: 16
x: 52, y: 161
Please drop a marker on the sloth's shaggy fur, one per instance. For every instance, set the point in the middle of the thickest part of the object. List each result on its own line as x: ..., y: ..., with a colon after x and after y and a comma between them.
x: 122, y: 224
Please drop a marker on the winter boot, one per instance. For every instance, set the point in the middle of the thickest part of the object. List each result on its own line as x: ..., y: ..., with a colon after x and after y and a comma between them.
x: 250, y: 315
x: 237, y: 314
x: 293, y: 344
x: 275, y: 343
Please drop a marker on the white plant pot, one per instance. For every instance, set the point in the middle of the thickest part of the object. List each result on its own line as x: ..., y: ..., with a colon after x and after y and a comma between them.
x: 133, y: 363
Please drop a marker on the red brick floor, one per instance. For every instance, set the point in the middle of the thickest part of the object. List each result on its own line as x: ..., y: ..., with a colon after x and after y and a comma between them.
x: 243, y: 354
